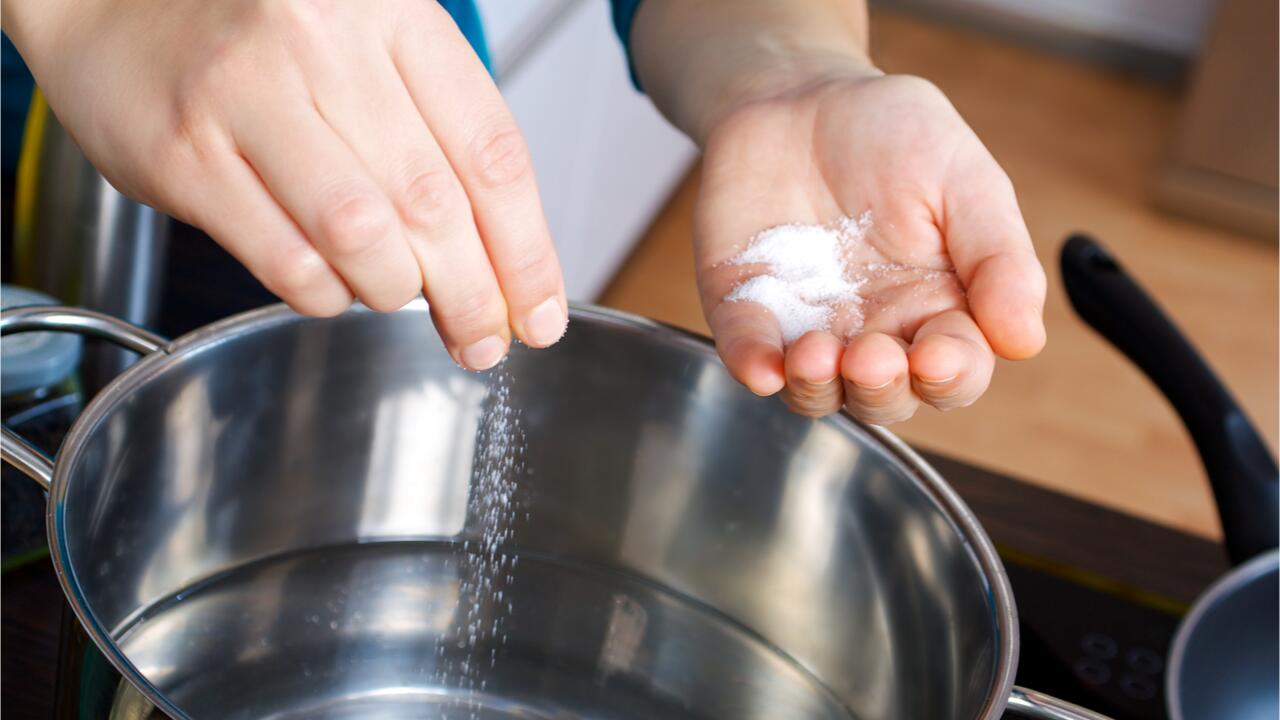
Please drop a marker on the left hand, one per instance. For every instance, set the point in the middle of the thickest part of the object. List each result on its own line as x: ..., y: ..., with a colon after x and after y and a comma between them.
x: 968, y: 287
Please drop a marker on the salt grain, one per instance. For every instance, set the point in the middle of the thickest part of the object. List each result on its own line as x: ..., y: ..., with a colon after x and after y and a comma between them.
x: 493, y: 508
x: 805, y: 279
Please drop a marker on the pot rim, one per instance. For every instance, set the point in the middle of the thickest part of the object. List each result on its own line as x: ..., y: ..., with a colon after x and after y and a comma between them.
x: 958, y: 514
x: 1267, y: 563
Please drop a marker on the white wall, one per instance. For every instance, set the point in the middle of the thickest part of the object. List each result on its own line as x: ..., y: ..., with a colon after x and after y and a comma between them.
x: 606, y: 161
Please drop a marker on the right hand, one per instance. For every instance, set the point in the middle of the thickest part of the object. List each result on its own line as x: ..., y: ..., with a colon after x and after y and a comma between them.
x: 337, y: 149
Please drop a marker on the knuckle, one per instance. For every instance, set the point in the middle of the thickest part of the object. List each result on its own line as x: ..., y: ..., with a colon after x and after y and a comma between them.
x: 300, y: 19
x: 194, y: 120
x: 355, y: 225
x: 501, y: 158
x: 221, y: 72
x: 430, y: 197
x: 897, y: 413
x: 194, y: 139
x: 469, y: 313
x: 875, y: 398
x: 942, y: 397
x: 534, y: 270
x: 296, y: 273
x: 808, y: 407
x: 811, y: 400
x: 395, y: 292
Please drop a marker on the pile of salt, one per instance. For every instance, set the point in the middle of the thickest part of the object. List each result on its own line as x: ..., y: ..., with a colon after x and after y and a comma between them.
x: 805, y: 279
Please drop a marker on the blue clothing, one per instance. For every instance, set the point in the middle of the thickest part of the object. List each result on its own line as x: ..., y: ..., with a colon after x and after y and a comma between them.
x: 17, y: 84
x: 15, y: 96
x: 466, y: 16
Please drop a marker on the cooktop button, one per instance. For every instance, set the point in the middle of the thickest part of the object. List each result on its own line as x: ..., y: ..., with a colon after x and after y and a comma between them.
x: 1138, y: 687
x: 1144, y: 661
x: 1092, y: 672
x: 1099, y: 646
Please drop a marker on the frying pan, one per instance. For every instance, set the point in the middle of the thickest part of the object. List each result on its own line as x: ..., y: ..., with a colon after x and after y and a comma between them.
x: 1223, y: 662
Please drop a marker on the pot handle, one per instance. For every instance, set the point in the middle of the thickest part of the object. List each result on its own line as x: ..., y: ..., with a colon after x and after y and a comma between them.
x: 52, y: 318
x: 1239, y: 465
x: 1038, y: 706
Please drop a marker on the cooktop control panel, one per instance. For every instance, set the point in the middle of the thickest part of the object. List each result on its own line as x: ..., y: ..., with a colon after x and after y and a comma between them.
x: 1097, y: 646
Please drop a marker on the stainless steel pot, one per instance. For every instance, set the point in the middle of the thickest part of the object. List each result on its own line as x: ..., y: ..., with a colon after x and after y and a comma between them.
x: 278, y: 516
x: 78, y: 239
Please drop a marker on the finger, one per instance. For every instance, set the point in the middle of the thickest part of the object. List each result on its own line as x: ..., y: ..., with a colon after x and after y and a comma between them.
x: 239, y: 212
x: 750, y: 343
x: 812, y: 367
x: 489, y: 155
x: 408, y: 164
x: 877, y: 385
x: 950, y: 360
x: 327, y: 191
x: 739, y: 197
x: 992, y: 251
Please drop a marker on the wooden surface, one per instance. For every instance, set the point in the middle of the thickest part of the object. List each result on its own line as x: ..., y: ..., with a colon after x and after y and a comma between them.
x: 1224, y: 167
x: 1054, y: 531
x: 1083, y: 146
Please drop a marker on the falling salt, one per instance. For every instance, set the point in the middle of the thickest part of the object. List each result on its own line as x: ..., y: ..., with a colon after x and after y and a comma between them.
x: 805, y: 279
x: 485, y: 561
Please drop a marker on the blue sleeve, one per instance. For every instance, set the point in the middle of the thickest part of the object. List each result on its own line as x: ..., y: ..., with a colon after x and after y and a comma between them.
x: 15, y: 91
x: 467, y: 18
x: 624, y: 12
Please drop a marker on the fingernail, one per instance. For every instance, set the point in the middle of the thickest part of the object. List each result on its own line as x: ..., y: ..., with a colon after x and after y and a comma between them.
x: 881, y: 386
x: 546, y: 324
x: 935, y: 383
x: 484, y: 354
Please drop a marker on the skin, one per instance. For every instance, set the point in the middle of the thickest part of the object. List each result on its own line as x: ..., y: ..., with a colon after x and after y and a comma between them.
x: 339, y: 150
x: 348, y: 151
x: 798, y: 126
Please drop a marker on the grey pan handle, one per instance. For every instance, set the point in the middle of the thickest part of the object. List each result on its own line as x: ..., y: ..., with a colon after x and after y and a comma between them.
x: 1038, y: 706
x: 51, y: 318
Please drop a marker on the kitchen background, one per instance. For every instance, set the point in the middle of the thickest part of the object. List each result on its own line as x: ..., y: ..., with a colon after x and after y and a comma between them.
x: 1148, y: 123
x: 1151, y: 124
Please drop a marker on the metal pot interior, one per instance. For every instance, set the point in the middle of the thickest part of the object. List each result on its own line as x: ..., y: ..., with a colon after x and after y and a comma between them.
x: 278, y: 520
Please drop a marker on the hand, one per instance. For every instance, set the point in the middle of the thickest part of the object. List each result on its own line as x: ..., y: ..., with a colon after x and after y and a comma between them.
x: 337, y: 149
x: 966, y: 285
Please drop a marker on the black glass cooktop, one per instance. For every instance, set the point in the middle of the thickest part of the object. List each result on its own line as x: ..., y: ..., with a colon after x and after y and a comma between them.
x: 1085, y: 644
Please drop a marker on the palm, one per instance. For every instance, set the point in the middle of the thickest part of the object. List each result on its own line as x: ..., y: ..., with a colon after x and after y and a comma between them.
x: 889, y: 145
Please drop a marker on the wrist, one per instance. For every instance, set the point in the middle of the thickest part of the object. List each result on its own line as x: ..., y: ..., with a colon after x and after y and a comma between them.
x: 774, y: 77
x: 701, y: 61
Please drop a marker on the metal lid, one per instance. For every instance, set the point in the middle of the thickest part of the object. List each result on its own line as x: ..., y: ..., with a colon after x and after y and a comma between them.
x: 34, y: 360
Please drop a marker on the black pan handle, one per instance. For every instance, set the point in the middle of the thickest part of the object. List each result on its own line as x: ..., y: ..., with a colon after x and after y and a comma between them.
x: 1246, y: 482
